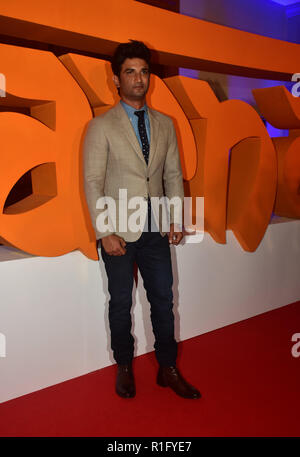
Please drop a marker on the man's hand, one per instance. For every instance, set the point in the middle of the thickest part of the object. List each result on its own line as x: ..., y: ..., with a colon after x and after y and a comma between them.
x: 175, y: 235
x: 114, y: 245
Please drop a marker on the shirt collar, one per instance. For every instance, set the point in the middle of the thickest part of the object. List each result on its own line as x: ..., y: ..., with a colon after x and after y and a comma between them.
x: 130, y: 110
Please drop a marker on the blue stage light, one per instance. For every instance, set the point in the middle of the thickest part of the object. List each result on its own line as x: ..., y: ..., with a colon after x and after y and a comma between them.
x: 285, y: 2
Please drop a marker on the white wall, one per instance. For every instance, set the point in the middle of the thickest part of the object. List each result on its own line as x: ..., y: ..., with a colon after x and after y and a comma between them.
x: 53, y: 310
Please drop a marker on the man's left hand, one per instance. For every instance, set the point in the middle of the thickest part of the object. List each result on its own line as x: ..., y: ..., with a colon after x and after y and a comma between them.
x: 175, y: 235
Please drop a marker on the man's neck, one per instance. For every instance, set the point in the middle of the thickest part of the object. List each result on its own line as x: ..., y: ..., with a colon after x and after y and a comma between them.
x: 136, y: 104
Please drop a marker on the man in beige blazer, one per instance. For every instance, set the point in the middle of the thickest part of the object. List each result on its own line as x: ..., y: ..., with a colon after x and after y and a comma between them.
x: 130, y: 156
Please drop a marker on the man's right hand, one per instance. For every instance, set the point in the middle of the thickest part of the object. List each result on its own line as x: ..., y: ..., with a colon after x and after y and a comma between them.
x: 114, y: 245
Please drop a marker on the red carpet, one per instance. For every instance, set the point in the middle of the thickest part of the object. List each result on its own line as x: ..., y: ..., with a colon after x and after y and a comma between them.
x: 249, y: 380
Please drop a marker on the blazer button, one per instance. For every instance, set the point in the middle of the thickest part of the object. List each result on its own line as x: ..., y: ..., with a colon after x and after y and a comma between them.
x: 147, y: 179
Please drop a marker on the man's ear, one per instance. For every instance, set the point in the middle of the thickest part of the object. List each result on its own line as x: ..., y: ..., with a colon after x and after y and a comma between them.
x: 116, y: 81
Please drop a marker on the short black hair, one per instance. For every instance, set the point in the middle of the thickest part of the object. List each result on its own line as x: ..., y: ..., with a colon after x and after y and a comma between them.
x: 131, y: 50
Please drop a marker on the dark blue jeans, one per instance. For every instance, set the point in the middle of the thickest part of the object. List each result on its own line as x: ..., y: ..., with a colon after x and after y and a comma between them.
x: 151, y: 252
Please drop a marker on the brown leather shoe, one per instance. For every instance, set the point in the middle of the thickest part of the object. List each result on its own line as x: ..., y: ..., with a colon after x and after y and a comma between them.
x: 125, y: 386
x: 170, y: 377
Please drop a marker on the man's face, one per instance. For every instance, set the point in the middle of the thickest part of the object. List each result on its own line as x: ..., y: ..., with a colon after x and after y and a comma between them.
x: 134, y: 79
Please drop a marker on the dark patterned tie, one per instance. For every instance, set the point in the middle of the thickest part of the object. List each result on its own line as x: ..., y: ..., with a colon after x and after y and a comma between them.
x: 145, y: 150
x: 143, y: 134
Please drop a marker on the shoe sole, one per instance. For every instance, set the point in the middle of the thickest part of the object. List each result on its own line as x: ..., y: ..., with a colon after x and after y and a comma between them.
x: 163, y: 383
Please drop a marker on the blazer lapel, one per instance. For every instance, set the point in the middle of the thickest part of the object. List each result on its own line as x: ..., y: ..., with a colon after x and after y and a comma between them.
x: 128, y: 130
x: 154, y: 132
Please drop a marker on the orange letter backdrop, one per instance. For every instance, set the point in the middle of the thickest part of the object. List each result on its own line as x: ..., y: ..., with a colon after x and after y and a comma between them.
x: 226, y: 153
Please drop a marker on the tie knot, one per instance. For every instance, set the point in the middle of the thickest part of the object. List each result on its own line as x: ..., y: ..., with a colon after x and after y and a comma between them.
x: 140, y: 114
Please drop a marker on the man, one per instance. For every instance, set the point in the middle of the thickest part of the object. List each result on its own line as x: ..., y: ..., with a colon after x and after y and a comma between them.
x: 134, y: 148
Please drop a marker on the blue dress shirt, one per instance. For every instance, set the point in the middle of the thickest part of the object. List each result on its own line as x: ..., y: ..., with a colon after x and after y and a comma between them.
x: 134, y: 120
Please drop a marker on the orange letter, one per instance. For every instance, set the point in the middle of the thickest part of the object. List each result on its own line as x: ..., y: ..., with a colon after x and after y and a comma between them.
x: 46, y: 142
x: 238, y: 163
x: 282, y: 110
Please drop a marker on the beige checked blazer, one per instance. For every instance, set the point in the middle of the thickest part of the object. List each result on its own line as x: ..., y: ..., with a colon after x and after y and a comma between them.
x: 113, y: 160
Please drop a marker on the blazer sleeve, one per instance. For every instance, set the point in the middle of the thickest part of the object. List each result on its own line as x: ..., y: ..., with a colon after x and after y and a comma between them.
x: 172, y: 178
x: 95, y: 155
